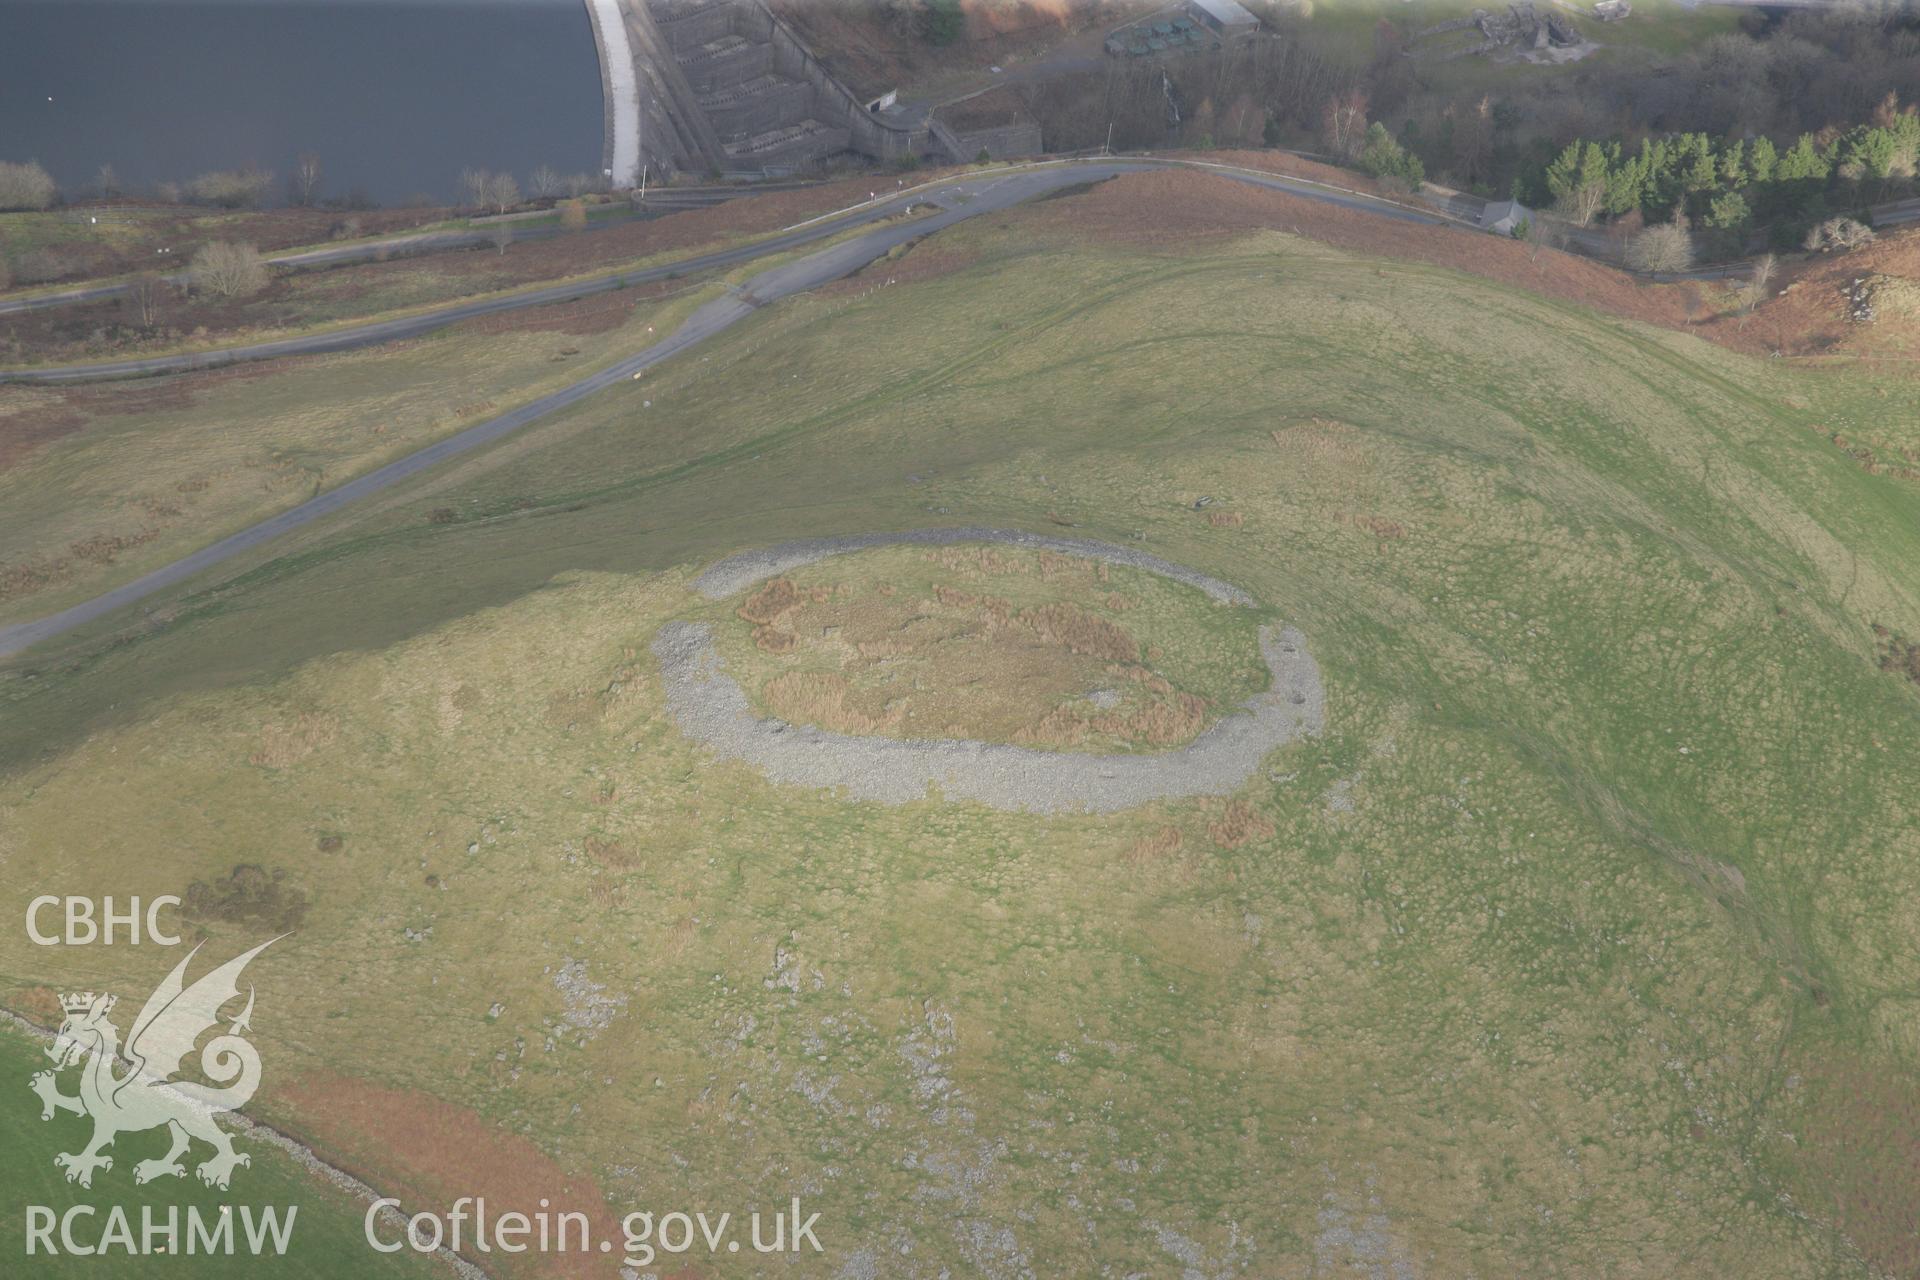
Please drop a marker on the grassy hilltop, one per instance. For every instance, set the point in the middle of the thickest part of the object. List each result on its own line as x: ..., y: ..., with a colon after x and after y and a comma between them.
x: 1582, y: 941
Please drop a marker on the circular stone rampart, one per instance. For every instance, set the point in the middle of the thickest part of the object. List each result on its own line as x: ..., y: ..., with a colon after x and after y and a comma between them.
x: 750, y: 568
x: 712, y: 709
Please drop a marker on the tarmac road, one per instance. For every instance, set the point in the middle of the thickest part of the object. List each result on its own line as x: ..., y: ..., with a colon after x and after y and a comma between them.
x: 368, y: 251
x: 373, y: 334
x: 417, y: 244
x: 958, y: 200
x: 376, y: 332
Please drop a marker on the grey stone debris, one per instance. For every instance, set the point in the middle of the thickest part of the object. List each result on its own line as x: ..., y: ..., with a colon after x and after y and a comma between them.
x: 712, y: 709
x: 736, y: 573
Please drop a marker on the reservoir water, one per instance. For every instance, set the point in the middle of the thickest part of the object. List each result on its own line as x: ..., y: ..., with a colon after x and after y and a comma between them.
x: 396, y: 96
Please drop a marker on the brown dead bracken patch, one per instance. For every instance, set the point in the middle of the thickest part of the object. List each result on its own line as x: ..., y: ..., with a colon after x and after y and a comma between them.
x: 599, y: 313
x: 772, y: 600
x: 285, y: 744
x: 1162, y: 843
x: 1081, y: 632
x: 38, y: 1004
x: 1901, y: 463
x: 1166, y: 720
x: 1239, y: 825
x: 30, y: 576
x: 820, y: 697
x: 610, y: 853
x: 68, y: 333
x: 770, y: 608
x: 1173, y: 208
x: 774, y: 640
x: 1379, y: 526
x: 429, y: 1152
x: 966, y: 663
x: 1809, y: 312
x: 1322, y: 440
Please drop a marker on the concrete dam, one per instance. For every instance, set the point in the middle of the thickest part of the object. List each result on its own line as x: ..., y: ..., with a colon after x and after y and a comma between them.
x: 725, y: 87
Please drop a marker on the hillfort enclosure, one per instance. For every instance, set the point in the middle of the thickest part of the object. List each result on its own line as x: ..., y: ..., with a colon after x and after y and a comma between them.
x: 712, y: 708
x: 926, y: 638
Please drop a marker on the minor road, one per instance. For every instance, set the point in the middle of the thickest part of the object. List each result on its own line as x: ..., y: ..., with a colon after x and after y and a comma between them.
x: 479, y: 234
x: 957, y: 201
x: 410, y: 245
x: 372, y: 333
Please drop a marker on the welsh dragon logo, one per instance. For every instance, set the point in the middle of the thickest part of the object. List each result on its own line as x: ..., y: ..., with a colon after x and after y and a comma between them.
x: 146, y: 1095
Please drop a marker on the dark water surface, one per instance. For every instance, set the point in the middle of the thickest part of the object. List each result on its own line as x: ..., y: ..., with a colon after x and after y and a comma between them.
x: 396, y: 96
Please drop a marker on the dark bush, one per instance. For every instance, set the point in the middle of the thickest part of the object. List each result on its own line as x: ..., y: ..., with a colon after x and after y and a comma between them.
x: 249, y: 895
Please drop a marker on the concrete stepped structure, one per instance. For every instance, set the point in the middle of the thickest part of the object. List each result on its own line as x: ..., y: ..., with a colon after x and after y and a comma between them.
x: 736, y: 109
x: 763, y: 114
x: 729, y: 61
x: 725, y: 87
x: 762, y: 97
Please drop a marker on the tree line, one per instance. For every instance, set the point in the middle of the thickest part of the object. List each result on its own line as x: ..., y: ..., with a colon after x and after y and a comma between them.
x: 1727, y: 188
x: 27, y: 186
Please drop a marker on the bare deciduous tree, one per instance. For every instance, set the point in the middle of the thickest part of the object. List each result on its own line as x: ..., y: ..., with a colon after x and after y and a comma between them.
x: 37, y: 266
x: 501, y: 235
x: 502, y: 192
x: 25, y: 186
x: 1839, y: 234
x: 1544, y: 233
x: 1582, y: 203
x: 228, y: 270
x: 303, y: 185
x: 1473, y: 136
x: 231, y: 189
x: 578, y: 184
x: 473, y: 185
x: 544, y: 181
x: 496, y: 190
x: 1758, y: 278
x: 144, y: 293
x: 107, y: 181
x: 1343, y: 126
x: 1667, y: 247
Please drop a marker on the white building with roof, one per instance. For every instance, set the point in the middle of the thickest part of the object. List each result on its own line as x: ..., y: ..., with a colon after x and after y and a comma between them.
x: 1502, y: 216
x: 1224, y: 17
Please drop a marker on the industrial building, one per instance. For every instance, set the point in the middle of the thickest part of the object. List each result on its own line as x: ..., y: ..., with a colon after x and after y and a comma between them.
x: 1225, y: 18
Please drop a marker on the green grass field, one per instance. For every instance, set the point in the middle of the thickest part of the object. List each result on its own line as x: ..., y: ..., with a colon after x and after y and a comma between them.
x: 1582, y: 941
x: 154, y: 469
x: 326, y: 1223
x: 990, y: 644
x: 132, y: 475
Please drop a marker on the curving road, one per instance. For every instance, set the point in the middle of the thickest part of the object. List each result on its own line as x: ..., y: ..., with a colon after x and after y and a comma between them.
x: 420, y: 243
x: 957, y: 200
x: 411, y: 245
x: 376, y: 332
x: 373, y: 333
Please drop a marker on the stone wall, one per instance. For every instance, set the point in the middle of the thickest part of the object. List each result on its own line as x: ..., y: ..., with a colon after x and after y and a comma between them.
x: 834, y: 102
x: 1004, y: 142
